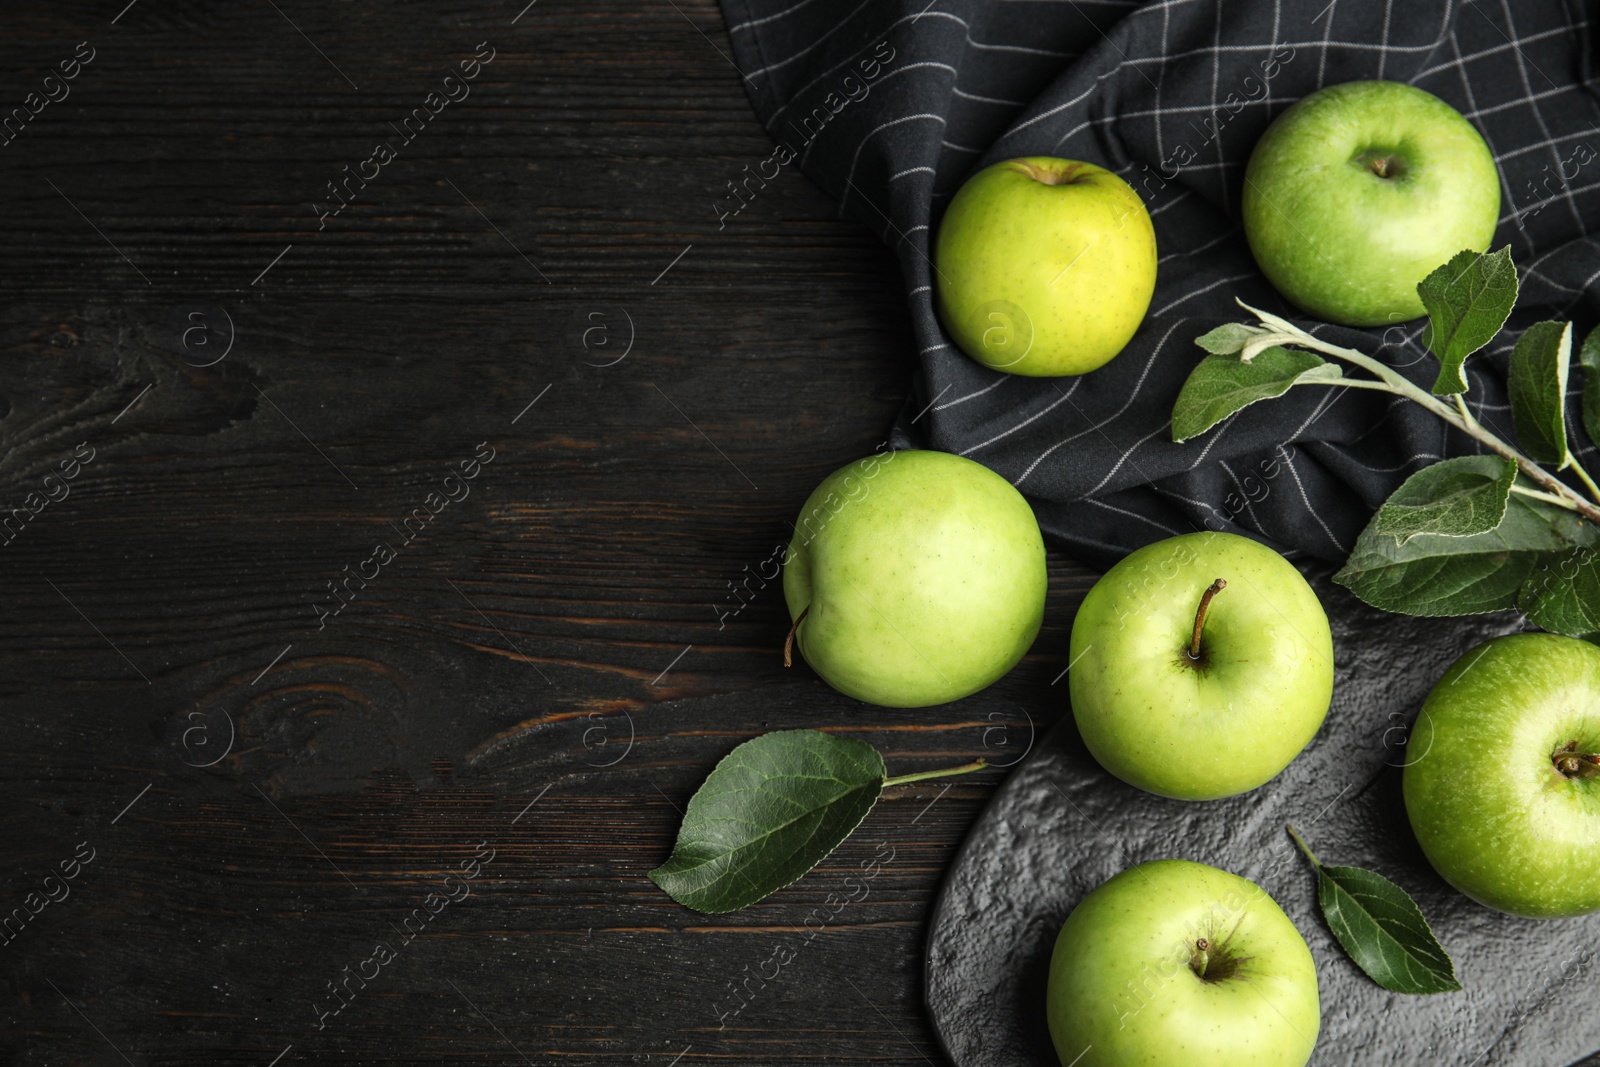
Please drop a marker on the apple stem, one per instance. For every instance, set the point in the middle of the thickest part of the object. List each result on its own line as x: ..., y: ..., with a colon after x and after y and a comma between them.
x: 1574, y: 764
x: 1200, y: 615
x: 1201, y: 958
x: 1312, y: 856
x: 965, y: 768
x: 788, y: 642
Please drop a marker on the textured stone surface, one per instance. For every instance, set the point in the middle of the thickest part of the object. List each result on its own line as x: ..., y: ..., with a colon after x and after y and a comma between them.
x: 1060, y: 826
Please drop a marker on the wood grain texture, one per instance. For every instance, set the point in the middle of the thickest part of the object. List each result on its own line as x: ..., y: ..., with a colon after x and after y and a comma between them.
x: 269, y: 794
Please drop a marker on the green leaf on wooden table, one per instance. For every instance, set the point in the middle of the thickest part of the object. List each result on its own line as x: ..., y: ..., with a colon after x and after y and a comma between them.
x: 1229, y: 339
x: 1468, y: 300
x: 1562, y: 595
x: 1433, y: 575
x: 1222, y: 385
x: 1537, y: 383
x: 1452, y: 498
x: 772, y: 810
x: 1381, y: 928
x: 1589, y: 359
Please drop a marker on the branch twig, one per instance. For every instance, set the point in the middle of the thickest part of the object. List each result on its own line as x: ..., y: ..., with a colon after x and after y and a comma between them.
x: 1459, y: 417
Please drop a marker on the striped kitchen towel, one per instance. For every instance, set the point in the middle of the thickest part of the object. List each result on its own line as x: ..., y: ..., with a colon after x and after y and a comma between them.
x: 889, y: 105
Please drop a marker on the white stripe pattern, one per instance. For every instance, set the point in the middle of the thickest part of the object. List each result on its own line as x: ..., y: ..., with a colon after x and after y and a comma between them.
x: 1138, y: 87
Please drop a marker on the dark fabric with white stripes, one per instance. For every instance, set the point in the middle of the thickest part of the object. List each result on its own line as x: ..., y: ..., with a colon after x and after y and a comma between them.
x: 891, y: 105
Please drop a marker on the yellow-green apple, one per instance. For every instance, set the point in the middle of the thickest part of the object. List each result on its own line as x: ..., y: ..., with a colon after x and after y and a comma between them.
x: 1200, y: 666
x: 1177, y: 964
x: 1044, y: 266
x: 1357, y: 192
x: 1502, y: 778
x: 914, y: 578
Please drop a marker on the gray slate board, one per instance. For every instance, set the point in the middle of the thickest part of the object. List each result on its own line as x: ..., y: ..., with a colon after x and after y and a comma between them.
x: 1061, y: 825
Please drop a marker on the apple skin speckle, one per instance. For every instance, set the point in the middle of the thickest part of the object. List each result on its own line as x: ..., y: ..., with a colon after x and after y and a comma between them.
x: 1492, y: 813
x: 1121, y: 990
x: 953, y: 605
x: 1044, y: 277
x: 1159, y: 721
x: 1345, y: 244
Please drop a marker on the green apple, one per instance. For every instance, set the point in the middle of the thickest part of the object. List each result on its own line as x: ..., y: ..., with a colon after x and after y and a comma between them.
x: 1357, y: 192
x: 914, y: 578
x: 1177, y: 964
x: 1044, y: 266
x: 1502, y: 778
x: 1200, y: 666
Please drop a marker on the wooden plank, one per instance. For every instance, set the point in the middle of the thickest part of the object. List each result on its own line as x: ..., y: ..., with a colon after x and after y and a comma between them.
x: 268, y: 793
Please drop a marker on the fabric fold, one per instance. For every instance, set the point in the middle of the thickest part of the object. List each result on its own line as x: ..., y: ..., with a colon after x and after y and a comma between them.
x: 1172, y: 96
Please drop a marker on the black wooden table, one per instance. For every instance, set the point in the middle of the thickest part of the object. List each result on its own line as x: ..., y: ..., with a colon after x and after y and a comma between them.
x: 394, y: 441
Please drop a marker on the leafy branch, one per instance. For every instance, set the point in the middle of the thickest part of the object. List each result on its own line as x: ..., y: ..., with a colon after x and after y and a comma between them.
x: 1464, y: 535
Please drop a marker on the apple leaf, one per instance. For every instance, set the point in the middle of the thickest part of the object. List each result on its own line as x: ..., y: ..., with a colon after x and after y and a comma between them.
x: 1433, y: 575
x: 768, y: 813
x: 1589, y: 359
x: 1229, y: 339
x: 1537, y: 382
x: 1222, y: 385
x: 1467, y: 300
x: 1382, y: 929
x: 1452, y: 498
x: 774, y: 808
x: 1563, y: 594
